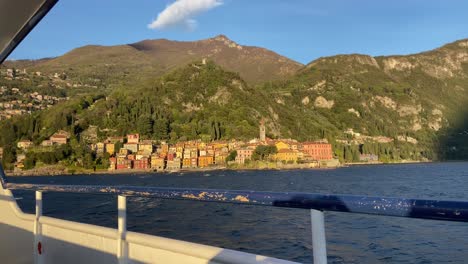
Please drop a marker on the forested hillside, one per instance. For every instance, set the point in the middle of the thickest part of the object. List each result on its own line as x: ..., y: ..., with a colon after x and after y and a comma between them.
x: 399, y: 107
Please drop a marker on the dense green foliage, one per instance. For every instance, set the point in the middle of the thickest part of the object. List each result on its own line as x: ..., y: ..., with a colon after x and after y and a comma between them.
x: 264, y: 152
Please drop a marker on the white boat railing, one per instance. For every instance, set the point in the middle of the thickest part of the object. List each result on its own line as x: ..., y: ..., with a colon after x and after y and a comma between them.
x: 316, y: 203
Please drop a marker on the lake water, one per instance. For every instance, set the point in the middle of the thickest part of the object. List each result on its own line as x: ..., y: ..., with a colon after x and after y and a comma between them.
x: 280, y: 232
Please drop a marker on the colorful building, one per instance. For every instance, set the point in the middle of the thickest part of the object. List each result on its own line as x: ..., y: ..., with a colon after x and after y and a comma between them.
x: 142, y: 163
x: 205, y: 161
x: 110, y: 148
x: 244, y: 154
x: 317, y: 150
x: 173, y: 164
x: 286, y: 155
x: 281, y: 145
x: 146, y: 147
x: 133, y: 138
x: 157, y: 163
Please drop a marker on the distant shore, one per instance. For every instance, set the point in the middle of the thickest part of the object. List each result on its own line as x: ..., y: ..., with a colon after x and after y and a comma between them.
x: 60, y: 170
x: 56, y: 170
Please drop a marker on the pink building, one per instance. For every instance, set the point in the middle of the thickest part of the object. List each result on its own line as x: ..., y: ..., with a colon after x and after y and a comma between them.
x: 244, y: 154
x: 133, y: 138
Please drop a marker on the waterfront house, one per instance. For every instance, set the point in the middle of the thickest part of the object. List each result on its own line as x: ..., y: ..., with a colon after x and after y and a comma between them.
x: 286, y: 155
x: 205, y: 161
x: 157, y: 163
x: 142, y: 164
x: 174, y: 164
x: 186, y: 163
x: 193, y: 162
x: 112, y: 163
x: 244, y: 154
x: 317, y: 150
x: 124, y: 164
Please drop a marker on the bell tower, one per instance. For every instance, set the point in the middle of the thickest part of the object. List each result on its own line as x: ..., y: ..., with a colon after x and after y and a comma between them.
x: 262, y: 130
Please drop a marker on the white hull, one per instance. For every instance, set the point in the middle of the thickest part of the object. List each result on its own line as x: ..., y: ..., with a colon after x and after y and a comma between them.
x: 71, y: 242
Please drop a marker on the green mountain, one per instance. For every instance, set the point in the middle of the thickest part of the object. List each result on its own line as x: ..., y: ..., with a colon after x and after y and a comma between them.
x: 399, y: 107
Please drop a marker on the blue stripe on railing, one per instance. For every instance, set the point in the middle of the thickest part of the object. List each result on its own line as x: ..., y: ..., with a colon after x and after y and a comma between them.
x: 413, y: 208
x: 386, y: 206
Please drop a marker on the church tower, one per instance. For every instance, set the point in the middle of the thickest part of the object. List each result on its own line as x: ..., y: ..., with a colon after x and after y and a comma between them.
x: 262, y: 131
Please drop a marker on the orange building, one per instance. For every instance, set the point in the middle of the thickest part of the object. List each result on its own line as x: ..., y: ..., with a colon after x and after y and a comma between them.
x: 318, y: 150
x: 205, y: 161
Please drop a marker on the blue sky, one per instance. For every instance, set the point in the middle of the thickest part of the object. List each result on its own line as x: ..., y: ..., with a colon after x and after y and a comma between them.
x: 299, y: 29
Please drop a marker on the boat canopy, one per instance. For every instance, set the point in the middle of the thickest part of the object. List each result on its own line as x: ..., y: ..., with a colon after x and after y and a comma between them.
x: 17, y: 19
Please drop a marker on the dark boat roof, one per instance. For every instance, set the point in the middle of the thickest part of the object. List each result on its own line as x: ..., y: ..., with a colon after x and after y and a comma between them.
x: 17, y: 19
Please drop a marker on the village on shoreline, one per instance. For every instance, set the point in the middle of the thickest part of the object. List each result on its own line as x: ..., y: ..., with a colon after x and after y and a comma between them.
x: 132, y: 154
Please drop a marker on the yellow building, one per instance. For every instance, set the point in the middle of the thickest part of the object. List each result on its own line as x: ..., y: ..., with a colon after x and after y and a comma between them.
x: 146, y: 147
x: 281, y: 145
x: 110, y: 148
x: 186, y: 163
x: 205, y: 161
x: 286, y: 155
x: 157, y: 162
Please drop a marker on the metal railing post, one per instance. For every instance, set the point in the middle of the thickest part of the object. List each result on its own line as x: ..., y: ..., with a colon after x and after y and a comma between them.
x: 319, y: 243
x: 122, y: 247
x: 38, y: 250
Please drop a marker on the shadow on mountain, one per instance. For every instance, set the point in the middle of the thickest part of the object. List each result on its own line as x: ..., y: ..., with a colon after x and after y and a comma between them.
x: 453, y: 142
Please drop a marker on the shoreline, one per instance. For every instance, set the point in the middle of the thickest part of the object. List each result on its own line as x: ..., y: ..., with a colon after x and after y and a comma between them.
x: 63, y: 171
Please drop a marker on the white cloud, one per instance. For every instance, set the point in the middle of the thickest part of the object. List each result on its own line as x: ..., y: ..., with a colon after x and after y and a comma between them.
x: 181, y: 12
